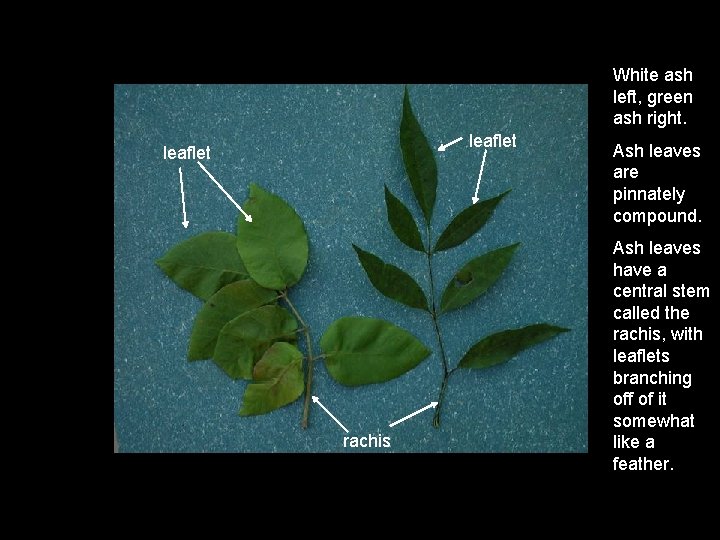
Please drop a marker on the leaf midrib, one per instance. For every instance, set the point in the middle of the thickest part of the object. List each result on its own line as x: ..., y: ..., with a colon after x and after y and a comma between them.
x: 275, y: 380
x: 363, y: 354
x: 200, y: 266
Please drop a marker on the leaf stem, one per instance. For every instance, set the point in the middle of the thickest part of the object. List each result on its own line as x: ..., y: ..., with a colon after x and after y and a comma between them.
x: 311, y: 360
x: 438, y: 333
x: 441, y: 398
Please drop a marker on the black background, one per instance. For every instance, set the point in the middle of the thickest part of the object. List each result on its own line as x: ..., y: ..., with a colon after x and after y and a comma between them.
x: 686, y: 448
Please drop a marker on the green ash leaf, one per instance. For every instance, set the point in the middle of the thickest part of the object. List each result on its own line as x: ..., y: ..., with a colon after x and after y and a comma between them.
x: 502, y: 346
x: 402, y: 222
x: 419, y: 159
x: 476, y: 277
x: 467, y: 223
x: 391, y: 281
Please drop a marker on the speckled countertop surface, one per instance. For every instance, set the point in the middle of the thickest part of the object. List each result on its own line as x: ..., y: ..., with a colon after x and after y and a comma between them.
x: 328, y: 150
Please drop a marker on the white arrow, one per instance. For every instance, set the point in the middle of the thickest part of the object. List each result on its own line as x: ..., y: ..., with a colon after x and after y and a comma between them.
x: 442, y: 147
x: 316, y: 400
x: 475, y: 197
x: 248, y: 217
x: 182, y: 194
x: 433, y: 404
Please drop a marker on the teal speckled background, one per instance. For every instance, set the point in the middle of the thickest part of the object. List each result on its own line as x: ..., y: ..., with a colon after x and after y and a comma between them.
x: 328, y: 150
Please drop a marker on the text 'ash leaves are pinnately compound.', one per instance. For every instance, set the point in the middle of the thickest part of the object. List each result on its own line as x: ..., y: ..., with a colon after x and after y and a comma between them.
x: 472, y: 280
x: 248, y: 325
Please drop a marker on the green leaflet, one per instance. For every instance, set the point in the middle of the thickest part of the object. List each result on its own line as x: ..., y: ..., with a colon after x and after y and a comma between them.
x: 391, y: 281
x: 500, y: 347
x: 244, y: 340
x: 362, y: 350
x: 476, y: 277
x: 402, y: 222
x: 281, y: 376
x: 274, y: 246
x: 204, y: 264
x: 226, y: 304
x: 467, y: 223
x: 419, y: 159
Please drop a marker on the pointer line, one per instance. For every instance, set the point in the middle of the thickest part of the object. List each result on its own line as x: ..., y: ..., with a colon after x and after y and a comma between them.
x: 482, y: 166
x: 316, y: 400
x: 248, y: 217
x: 182, y: 194
x: 433, y: 404
x: 443, y: 147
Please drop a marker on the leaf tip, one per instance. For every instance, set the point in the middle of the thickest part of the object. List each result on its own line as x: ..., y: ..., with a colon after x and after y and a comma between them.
x: 406, y: 101
x: 254, y: 189
x: 388, y: 197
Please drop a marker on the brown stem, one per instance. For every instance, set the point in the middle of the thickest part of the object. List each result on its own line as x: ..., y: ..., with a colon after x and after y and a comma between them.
x: 311, y: 360
x: 441, y: 398
x: 438, y: 334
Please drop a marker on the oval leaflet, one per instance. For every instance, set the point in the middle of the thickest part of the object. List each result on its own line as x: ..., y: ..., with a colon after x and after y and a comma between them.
x: 363, y: 350
x: 274, y: 245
